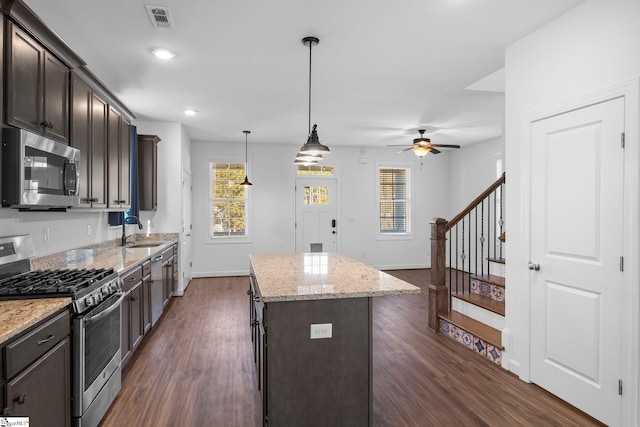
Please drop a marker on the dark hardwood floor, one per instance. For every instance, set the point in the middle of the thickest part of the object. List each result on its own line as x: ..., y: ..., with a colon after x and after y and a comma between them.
x: 196, y: 369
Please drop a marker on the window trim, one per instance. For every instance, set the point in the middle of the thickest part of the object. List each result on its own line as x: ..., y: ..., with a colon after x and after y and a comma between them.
x: 248, y: 236
x: 404, y: 235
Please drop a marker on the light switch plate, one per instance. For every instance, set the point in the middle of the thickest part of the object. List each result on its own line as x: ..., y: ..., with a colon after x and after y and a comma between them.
x: 321, y: 330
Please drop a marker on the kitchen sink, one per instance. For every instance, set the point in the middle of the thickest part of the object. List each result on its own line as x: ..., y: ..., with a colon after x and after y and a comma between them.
x: 146, y: 244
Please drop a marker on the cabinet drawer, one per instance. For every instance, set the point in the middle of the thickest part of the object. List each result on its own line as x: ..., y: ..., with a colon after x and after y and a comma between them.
x: 146, y: 268
x: 23, y: 351
x: 131, y: 277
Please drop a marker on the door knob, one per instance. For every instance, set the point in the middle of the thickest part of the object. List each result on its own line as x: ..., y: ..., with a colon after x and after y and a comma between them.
x: 533, y: 266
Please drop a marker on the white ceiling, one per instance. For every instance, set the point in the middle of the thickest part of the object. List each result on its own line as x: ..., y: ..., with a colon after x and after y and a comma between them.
x: 382, y: 69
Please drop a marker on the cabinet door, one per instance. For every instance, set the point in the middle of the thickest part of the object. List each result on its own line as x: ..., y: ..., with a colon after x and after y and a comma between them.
x: 56, y: 99
x: 148, y: 172
x: 24, y: 80
x: 42, y: 392
x: 125, y: 330
x: 136, y: 326
x: 167, y: 276
x: 113, y: 158
x: 125, y: 164
x: 80, y: 137
x: 146, y: 304
x: 98, y: 152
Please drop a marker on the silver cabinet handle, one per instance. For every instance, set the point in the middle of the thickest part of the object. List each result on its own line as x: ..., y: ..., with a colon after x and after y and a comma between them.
x: 533, y: 266
x: 47, y: 339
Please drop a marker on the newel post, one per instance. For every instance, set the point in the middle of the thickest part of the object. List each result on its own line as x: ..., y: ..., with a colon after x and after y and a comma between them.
x: 438, y: 292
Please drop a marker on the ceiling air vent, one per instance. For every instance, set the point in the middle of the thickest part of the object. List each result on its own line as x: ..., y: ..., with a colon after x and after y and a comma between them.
x: 160, y: 16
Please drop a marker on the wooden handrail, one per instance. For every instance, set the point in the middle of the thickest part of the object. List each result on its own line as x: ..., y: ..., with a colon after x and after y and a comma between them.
x: 439, y: 293
x: 456, y: 219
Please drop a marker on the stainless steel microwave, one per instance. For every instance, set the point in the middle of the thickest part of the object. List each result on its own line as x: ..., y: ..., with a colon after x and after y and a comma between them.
x: 38, y: 173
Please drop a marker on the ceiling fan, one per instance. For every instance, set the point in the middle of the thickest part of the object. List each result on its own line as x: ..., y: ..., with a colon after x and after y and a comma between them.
x: 421, y: 146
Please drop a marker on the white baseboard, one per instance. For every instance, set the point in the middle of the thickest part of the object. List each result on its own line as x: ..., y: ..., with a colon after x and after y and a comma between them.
x: 203, y: 274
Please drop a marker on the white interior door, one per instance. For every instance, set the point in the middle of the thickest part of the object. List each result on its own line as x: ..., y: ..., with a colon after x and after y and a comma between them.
x: 577, y: 240
x: 187, y: 229
x: 316, y: 220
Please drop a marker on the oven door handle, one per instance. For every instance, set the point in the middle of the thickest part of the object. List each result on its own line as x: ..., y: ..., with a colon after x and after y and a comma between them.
x: 106, y: 312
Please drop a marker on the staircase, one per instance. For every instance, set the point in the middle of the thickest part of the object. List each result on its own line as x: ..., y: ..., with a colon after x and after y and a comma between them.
x: 467, y: 293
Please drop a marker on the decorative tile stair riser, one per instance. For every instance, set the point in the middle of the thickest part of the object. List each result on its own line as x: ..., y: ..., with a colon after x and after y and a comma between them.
x: 488, y: 290
x: 471, y: 342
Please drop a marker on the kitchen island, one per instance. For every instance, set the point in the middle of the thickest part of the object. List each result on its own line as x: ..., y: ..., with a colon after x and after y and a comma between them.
x: 311, y: 323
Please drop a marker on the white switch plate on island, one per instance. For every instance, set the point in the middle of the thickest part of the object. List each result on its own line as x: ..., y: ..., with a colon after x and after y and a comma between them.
x: 321, y: 330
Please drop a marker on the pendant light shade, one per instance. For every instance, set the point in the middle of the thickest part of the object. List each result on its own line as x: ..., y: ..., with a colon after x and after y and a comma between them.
x: 313, y: 145
x: 246, y: 182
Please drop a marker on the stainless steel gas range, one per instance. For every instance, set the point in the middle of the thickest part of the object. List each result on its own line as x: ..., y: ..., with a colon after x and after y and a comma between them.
x: 96, y: 321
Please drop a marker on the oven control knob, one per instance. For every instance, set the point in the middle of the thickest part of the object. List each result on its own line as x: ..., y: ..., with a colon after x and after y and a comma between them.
x: 88, y: 301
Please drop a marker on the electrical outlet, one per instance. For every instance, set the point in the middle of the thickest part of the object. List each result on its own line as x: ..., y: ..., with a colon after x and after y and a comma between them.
x: 321, y: 330
x: 88, y: 229
x: 45, y: 234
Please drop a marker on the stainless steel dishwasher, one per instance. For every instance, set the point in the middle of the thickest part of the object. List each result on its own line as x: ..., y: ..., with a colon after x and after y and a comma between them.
x: 156, y: 288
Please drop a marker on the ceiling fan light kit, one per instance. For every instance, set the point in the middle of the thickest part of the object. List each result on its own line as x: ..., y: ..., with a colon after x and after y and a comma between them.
x: 422, y: 146
x: 313, y: 146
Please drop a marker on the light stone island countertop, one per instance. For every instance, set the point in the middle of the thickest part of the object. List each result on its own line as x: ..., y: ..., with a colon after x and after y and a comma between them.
x: 18, y: 315
x: 322, y: 275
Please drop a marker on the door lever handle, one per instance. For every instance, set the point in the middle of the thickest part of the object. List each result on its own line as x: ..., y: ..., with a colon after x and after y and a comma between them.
x: 533, y: 266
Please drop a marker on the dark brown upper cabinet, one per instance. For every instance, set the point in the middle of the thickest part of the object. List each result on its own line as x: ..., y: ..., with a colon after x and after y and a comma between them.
x: 99, y: 193
x: 118, y: 160
x: 81, y: 99
x: 148, y: 172
x: 37, y: 87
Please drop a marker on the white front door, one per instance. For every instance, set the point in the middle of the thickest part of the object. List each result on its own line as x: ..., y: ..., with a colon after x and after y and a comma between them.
x: 577, y: 240
x: 187, y: 230
x: 316, y: 220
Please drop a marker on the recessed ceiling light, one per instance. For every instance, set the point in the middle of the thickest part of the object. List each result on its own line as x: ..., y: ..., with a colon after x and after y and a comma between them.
x: 163, y: 53
x: 190, y: 112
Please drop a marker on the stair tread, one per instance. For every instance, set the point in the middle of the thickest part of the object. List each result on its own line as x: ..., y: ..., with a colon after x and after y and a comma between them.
x: 479, y: 329
x: 481, y: 301
x: 490, y: 278
x: 497, y: 260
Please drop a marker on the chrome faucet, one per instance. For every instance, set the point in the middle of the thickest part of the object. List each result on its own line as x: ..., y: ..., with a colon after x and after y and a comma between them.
x: 124, y: 222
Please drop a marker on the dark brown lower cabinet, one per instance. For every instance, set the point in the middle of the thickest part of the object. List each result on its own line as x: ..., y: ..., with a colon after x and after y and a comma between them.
x: 132, y: 313
x: 42, y: 390
x: 146, y: 304
x: 312, y: 382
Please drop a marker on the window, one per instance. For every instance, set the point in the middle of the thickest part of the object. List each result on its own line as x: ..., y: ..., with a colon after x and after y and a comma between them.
x: 228, y: 200
x: 321, y: 170
x: 316, y: 195
x: 393, y: 200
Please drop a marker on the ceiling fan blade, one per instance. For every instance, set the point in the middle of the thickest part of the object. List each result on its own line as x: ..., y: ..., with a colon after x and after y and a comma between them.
x: 405, y: 150
x: 399, y: 145
x: 434, y: 151
x: 446, y: 145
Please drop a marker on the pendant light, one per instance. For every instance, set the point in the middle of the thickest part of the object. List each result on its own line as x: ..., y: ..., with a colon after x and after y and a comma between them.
x: 312, y: 145
x: 246, y: 182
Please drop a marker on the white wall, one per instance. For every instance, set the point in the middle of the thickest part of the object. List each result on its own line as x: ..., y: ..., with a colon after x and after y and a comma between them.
x: 592, y: 47
x: 272, y: 215
x: 167, y: 219
x: 67, y: 230
x: 472, y: 170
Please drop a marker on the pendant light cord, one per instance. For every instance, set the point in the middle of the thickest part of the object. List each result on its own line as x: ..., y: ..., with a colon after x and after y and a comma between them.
x: 309, y: 127
x: 246, y: 143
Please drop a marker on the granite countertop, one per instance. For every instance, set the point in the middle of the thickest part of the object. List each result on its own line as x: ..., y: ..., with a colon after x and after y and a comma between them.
x: 18, y: 315
x: 323, y: 275
x: 120, y: 258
